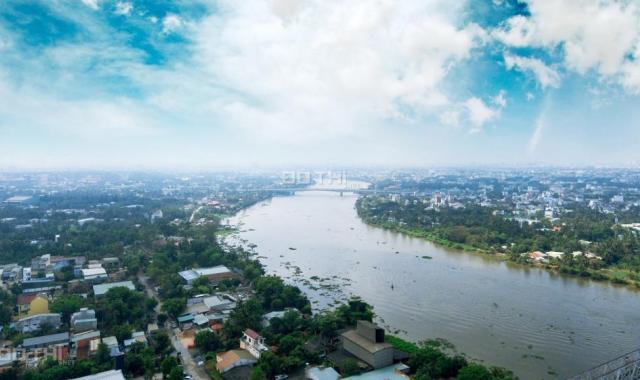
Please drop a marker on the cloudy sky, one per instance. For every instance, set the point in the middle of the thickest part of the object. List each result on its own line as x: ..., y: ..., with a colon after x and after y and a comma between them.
x: 208, y: 84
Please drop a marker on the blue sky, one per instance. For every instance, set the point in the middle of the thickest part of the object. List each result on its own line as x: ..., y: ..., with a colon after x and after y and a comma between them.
x: 257, y: 83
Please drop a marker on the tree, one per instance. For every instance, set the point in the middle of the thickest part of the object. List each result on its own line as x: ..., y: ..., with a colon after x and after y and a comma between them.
x: 67, y: 305
x: 207, y: 341
x: 349, y: 368
x: 168, y: 365
x: 173, y: 306
x: 102, y: 355
x: 175, y: 374
x: 474, y: 372
x: 257, y: 374
x: 161, y: 342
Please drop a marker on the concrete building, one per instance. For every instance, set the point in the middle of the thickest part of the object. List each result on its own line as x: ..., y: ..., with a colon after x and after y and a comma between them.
x: 253, y: 342
x: 46, y: 340
x: 114, y: 374
x: 213, y: 274
x: 85, y: 344
x: 84, y: 320
x: 226, y: 361
x: 102, y: 289
x: 39, y: 304
x: 94, y: 274
x: 366, y: 342
x: 35, y: 322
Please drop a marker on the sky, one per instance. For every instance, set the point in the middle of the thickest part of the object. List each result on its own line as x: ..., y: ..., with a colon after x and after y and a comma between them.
x: 188, y: 84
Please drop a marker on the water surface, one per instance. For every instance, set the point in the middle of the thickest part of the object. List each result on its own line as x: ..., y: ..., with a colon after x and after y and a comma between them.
x: 539, y: 324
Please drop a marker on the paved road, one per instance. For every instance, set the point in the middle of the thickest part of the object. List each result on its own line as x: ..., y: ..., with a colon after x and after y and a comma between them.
x: 188, y: 363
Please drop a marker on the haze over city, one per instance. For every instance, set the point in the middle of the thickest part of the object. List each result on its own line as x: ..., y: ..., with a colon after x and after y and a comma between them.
x: 255, y: 83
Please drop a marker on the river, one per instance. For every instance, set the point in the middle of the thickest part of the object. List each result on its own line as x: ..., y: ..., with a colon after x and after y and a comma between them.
x: 539, y: 324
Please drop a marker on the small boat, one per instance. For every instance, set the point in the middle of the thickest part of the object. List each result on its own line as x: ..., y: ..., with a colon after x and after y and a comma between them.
x: 292, y: 248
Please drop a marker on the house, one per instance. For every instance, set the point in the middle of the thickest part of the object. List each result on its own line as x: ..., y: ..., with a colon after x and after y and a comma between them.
x: 24, y: 302
x: 397, y: 371
x: 39, y: 304
x: 110, y: 342
x: 136, y: 337
x: 321, y: 373
x: 84, y: 320
x: 266, y: 319
x: 253, y: 342
x: 366, y: 342
x: 218, y: 303
x: 229, y: 360
x: 555, y: 255
x: 94, y: 274
x: 213, y: 274
x: 85, y: 344
x: 45, y: 341
x: 35, y: 322
x: 537, y: 256
x: 102, y: 289
x: 114, y: 374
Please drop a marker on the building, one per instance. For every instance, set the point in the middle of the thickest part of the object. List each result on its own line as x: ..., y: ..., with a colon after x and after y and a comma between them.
x: 39, y: 304
x: 110, y: 341
x: 84, y: 320
x: 94, y: 274
x: 213, y: 274
x: 85, y: 344
x: 102, y: 289
x: 366, y: 342
x: 35, y: 322
x: 46, y: 340
x: 321, y: 373
x: 24, y: 302
x: 26, y: 274
x: 114, y: 374
x: 136, y: 337
x: 218, y: 303
x: 253, y: 342
x: 226, y: 361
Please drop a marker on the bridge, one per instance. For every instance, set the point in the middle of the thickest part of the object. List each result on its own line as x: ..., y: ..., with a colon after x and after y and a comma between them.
x: 625, y: 367
x: 340, y: 190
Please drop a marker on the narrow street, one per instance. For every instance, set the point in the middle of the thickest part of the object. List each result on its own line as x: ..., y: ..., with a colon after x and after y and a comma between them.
x: 188, y: 363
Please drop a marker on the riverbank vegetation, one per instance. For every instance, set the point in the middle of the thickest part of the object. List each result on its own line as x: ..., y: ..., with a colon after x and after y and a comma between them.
x: 593, y: 244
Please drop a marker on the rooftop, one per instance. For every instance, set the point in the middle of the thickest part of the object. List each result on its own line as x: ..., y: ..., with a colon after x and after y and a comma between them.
x: 107, y: 375
x: 365, y: 343
x: 45, y: 339
x: 101, y: 289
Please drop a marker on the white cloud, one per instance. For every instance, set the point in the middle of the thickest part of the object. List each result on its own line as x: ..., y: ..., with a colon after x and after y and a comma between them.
x: 599, y: 35
x: 479, y: 113
x: 93, y: 4
x: 171, y: 22
x: 546, y: 76
x: 501, y: 99
x: 530, y: 96
x: 123, y: 8
x: 331, y: 68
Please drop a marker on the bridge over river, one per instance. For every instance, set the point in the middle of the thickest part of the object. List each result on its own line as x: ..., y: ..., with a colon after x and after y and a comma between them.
x: 625, y: 367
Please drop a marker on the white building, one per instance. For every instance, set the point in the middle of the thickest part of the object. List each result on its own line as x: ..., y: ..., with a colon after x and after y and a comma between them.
x: 253, y: 342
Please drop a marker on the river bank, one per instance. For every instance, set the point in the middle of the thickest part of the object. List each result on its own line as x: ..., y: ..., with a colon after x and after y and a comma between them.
x: 609, y: 275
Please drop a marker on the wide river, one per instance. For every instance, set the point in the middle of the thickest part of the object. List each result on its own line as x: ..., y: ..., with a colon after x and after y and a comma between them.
x: 539, y: 324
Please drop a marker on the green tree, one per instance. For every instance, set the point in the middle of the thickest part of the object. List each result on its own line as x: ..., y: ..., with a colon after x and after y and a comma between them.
x: 207, y: 341
x: 474, y: 372
x: 67, y: 305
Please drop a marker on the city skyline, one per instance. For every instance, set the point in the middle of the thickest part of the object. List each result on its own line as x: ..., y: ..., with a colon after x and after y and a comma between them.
x: 222, y: 84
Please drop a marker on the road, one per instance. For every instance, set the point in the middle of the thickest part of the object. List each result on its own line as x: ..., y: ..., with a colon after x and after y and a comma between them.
x: 188, y: 364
